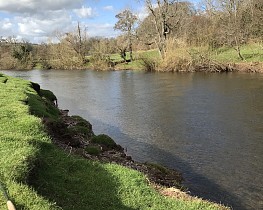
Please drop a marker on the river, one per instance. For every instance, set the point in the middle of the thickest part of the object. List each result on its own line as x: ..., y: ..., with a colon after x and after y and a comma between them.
x: 208, y: 126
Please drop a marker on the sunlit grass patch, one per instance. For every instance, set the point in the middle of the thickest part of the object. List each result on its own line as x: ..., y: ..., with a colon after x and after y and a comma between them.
x: 251, y: 53
x: 19, y: 133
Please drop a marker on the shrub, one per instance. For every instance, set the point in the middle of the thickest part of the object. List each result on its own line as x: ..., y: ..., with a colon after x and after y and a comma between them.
x: 150, y: 64
x: 81, y: 122
x: 100, y: 61
x: 176, y: 58
x: 181, y: 58
x: 48, y: 95
x: 80, y: 130
x: 7, y: 61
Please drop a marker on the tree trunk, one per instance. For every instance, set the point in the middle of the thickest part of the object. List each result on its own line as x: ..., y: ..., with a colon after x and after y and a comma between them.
x: 130, y: 45
x: 238, y: 49
x: 80, y: 50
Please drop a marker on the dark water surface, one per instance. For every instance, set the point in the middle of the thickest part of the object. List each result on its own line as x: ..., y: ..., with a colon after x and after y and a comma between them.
x: 209, y: 126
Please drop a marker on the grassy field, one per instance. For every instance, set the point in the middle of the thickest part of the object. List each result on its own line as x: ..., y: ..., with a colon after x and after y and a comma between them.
x: 136, y: 64
x: 39, y: 175
x: 251, y: 53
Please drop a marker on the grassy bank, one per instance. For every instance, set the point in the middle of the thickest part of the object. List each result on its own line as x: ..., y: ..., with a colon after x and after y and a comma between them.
x: 39, y: 175
x: 185, y: 58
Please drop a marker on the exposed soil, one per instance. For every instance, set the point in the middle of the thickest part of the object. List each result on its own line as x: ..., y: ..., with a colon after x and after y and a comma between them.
x: 253, y: 67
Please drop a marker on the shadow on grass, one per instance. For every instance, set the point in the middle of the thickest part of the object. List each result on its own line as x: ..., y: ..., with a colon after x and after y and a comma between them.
x: 73, y: 182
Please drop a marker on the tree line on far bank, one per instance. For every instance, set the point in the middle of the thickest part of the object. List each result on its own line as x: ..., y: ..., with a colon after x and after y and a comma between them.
x: 182, y: 33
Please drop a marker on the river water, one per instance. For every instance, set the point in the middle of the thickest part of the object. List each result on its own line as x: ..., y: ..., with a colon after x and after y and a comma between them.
x: 208, y: 126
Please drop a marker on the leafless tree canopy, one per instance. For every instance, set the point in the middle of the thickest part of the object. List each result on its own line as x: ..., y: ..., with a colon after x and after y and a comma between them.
x: 126, y: 23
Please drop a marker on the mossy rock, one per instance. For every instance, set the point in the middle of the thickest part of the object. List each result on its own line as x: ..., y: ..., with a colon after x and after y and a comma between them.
x: 58, y: 129
x: 36, y: 87
x: 82, y: 122
x: 81, y: 130
x: 48, y: 95
x: 3, y: 79
x: 56, y: 126
x: 93, y: 149
x: 158, y: 167
x: 105, y: 141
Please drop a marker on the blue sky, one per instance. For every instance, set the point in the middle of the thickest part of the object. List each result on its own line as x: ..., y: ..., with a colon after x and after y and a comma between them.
x: 38, y: 20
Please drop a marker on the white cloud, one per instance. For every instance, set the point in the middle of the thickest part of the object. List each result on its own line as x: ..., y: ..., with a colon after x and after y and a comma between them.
x: 36, y: 27
x: 108, y: 8
x: 37, y: 20
x: 34, y: 6
x: 84, y: 12
x: 7, y: 26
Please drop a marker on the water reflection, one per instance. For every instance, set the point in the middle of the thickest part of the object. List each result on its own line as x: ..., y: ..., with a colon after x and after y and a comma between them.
x: 209, y: 126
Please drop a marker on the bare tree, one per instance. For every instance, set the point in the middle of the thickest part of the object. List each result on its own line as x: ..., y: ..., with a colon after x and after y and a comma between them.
x: 78, y: 41
x: 159, y: 16
x: 167, y: 15
x: 255, y: 12
x: 231, y: 13
x: 126, y: 23
x: 7, y: 59
x: 71, y: 50
x: 146, y: 33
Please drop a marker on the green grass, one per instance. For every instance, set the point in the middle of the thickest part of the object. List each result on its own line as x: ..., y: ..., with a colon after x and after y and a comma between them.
x: 148, y: 53
x: 20, y: 134
x: 250, y: 52
x: 80, y: 184
x: 116, y: 57
x: 136, y: 64
x: 39, y: 175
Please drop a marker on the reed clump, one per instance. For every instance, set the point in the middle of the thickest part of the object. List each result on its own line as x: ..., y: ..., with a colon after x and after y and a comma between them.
x: 179, y: 57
